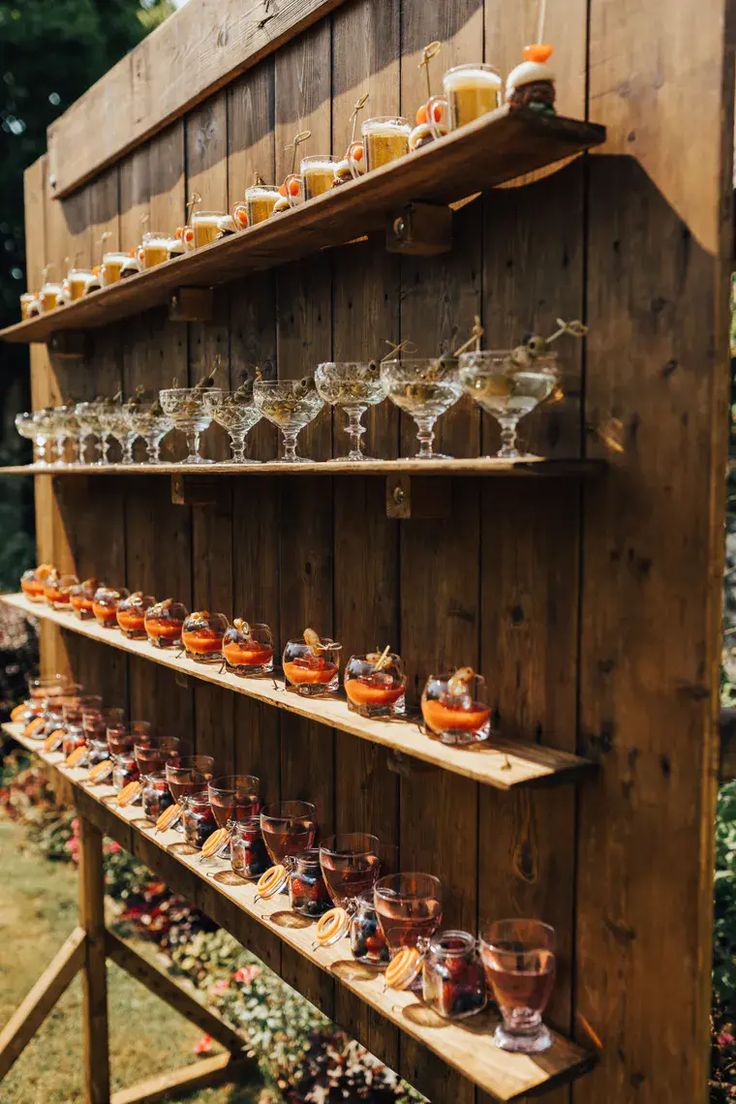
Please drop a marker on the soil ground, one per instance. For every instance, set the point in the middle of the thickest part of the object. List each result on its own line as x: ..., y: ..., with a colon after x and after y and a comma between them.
x: 38, y: 909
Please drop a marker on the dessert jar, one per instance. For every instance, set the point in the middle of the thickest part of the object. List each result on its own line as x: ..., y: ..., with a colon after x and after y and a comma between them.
x: 307, y: 890
x: 311, y: 665
x: 453, y: 980
x: 155, y: 794
x: 198, y: 818
x: 81, y: 599
x: 248, y: 855
x: 375, y: 684
x: 367, y: 941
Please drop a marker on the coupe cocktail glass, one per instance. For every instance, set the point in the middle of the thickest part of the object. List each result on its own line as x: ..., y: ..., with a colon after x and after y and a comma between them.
x: 186, y: 408
x: 425, y: 388
x: 350, y: 866
x: 64, y: 427
x: 375, y: 684
x: 236, y: 412
x: 118, y: 422
x: 455, y: 709
x: 506, y: 390
x: 519, y: 962
x: 149, y: 422
x: 88, y: 419
x: 290, y: 405
x: 353, y: 385
x: 27, y: 426
x: 288, y: 827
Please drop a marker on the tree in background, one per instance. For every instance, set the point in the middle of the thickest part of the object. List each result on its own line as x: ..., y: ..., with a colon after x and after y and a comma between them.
x: 51, y: 51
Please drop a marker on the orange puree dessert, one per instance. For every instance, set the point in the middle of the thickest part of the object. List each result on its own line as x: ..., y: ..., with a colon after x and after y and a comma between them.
x: 202, y: 635
x: 164, y: 622
x: 131, y: 614
x: 311, y: 664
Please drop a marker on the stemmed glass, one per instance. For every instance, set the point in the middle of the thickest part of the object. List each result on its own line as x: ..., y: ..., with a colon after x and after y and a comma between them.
x: 519, y: 961
x: 118, y: 421
x: 29, y: 424
x: 508, y: 390
x: 290, y: 405
x: 186, y: 408
x: 108, y: 413
x: 354, y: 386
x: 425, y: 388
x: 88, y: 418
x: 236, y: 412
x: 63, y: 427
x: 409, y: 908
x: 150, y: 423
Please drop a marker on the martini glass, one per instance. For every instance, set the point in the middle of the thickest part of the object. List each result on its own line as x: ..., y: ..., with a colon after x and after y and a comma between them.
x: 236, y: 412
x: 425, y: 388
x: 290, y: 405
x: 354, y: 386
x: 185, y: 407
x: 507, y: 390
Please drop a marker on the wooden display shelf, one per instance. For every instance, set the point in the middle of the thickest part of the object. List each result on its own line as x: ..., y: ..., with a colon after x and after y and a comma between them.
x: 493, y: 149
x: 467, y: 1047
x: 476, y: 466
x: 503, y: 764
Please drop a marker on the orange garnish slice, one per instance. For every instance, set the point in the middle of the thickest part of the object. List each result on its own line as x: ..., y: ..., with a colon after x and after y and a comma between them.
x: 18, y: 711
x: 169, y: 818
x: 128, y: 794
x: 34, y: 726
x: 44, y: 569
x: 282, y: 189
x: 52, y: 742
x: 178, y: 232
x: 75, y: 757
x: 214, y: 842
x: 132, y: 252
x: 358, y: 153
x: 403, y: 968
x: 242, y: 218
x: 538, y: 51
x: 271, y: 881
x: 294, y: 187
x: 421, y: 115
x: 100, y: 771
x: 331, y: 926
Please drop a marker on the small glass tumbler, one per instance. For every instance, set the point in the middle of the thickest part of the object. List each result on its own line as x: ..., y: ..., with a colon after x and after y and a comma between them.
x: 105, y: 605
x: 519, y: 962
x: 248, y: 649
x: 318, y: 174
x: 57, y: 590
x: 202, y: 634
x: 164, y: 622
x: 31, y: 584
x: 424, y: 388
x: 455, y: 709
x: 354, y: 386
x: 288, y: 827
x: 124, y: 770
x: 367, y: 941
x: 185, y: 406
x: 471, y: 90
x: 385, y: 139
x: 236, y: 412
x: 350, y: 865
x: 308, y: 894
x: 409, y: 908
x: 453, y: 981
x: 508, y: 390
x: 81, y: 599
x: 290, y: 405
x: 375, y: 685
x: 248, y: 855
x: 312, y: 668
x: 131, y: 613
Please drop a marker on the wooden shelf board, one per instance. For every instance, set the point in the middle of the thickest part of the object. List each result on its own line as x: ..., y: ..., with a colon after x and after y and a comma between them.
x: 468, y: 1047
x: 536, y: 466
x: 493, y: 149
x: 503, y: 764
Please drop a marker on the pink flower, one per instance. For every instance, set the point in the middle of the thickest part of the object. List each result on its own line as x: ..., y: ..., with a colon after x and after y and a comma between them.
x: 75, y: 825
x: 204, y: 1046
x: 220, y: 986
x: 246, y: 974
x: 113, y: 847
x: 725, y: 1039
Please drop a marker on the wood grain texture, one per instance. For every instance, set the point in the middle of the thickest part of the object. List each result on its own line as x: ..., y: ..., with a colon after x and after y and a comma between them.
x: 94, y: 983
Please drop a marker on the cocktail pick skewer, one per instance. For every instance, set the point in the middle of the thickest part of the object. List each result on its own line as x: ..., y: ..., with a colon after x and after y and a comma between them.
x: 475, y: 336
x: 576, y: 328
x: 405, y: 346
x: 144, y: 220
x: 294, y: 146
x: 540, y: 20
x: 357, y: 108
x: 194, y: 201
x: 430, y: 51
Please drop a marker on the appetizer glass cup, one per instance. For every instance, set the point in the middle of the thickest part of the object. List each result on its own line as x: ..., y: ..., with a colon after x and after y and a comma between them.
x: 81, y: 599
x: 472, y: 90
x: 152, y: 753
x: 105, y: 605
x: 186, y: 408
x: 260, y: 200
x: 318, y: 174
x: 375, y: 692
x: 385, y: 139
x: 248, y: 649
x: 131, y: 614
x: 311, y: 672
x: 234, y: 797
x: 350, y: 866
x: 409, y: 908
x: 519, y: 962
x: 425, y: 388
x: 164, y: 622
x: 289, y: 405
x: 118, y: 421
x: 155, y: 249
x: 288, y: 828
x: 237, y: 416
x: 58, y: 589
x: 202, y: 634
x: 111, y: 268
x: 152, y: 426
x: 354, y: 386
x: 453, y: 981
x: 508, y: 391
x: 456, y: 711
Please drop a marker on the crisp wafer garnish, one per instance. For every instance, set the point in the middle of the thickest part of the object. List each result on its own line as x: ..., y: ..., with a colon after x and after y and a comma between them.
x: 242, y: 626
x: 331, y: 926
x: 34, y: 726
x: 17, y: 713
x: 213, y: 843
x: 75, y: 757
x: 382, y: 660
x: 403, y: 967
x: 100, y: 771
x: 169, y: 818
x: 271, y: 881
x: 457, y: 684
x: 52, y: 742
x: 128, y: 793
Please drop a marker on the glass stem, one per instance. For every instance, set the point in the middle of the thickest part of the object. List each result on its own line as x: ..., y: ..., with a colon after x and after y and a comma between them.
x: 39, y: 450
x: 83, y: 442
x: 192, y: 444
x: 425, y: 436
x: 152, y: 447
x: 508, y: 437
x: 104, y: 447
x: 237, y: 444
x: 59, y: 450
x: 290, y: 436
x: 126, y: 443
x: 355, y: 430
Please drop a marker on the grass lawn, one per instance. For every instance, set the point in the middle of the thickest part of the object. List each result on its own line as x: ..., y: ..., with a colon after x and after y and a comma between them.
x: 38, y: 909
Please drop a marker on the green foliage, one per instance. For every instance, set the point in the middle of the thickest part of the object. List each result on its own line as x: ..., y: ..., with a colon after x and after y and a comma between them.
x: 724, y: 935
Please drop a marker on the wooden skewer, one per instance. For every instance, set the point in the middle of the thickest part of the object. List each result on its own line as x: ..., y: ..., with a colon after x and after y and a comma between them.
x: 540, y: 20
x: 357, y: 107
x: 475, y: 336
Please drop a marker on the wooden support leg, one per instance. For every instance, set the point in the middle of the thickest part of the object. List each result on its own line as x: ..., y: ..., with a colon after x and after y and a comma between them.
x: 94, y: 1008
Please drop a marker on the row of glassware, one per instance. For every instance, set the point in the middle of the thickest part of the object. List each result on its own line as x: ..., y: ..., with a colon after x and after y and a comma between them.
x: 392, y: 920
x: 507, y: 384
x: 454, y: 704
x: 469, y: 92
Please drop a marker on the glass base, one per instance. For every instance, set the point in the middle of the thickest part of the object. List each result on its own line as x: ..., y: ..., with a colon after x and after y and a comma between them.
x: 395, y: 709
x: 195, y: 458
x: 354, y: 458
x: 535, y: 1043
x: 209, y: 657
x: 434, y: 456
x: 461, y: 737
x: 245, y: 669
x: 315, y: 689
x: 245, y: 460
x: 164, y: 642
x: 291, y: 460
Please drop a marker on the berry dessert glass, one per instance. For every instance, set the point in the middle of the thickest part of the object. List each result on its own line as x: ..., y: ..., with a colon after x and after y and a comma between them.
x: 81, y: 598
x: 311, y: 664
x: 164, y: 622
x: 308, y: 894
x: 155, y: 795
x: 453, y: 982
x: 354, y: 386
x: 455, y: 709
x: 131, y: 614
x: 185, y: 406
x: 290, y: 405
x: 248, y: 649
x: 248, y: 855
x: 236, y: 412
x: 350, y: 865
x: 367, y: 941
x: 425, y: 388
x: 288, y: 827
x: 375, y: 684
x: 202, y: 634
x: 519, y: 962
x: 507, y: 389
x: 198, y: 818
x: 105, y: 605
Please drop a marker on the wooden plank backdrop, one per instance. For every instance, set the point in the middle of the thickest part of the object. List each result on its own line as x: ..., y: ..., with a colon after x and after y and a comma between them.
x: 593, y: 613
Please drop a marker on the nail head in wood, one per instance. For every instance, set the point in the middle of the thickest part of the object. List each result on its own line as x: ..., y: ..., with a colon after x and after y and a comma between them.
x: 192, y: 304
x: 197, y: 490
x: 420, y: 229
x: 418, y: 498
